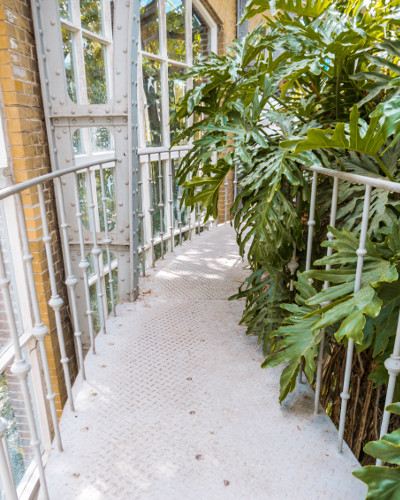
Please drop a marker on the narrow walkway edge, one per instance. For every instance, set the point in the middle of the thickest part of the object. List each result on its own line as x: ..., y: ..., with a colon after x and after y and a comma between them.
x: 176, y: 406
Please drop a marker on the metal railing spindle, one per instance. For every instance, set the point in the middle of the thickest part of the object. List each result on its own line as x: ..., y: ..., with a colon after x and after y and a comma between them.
x: 320, y: 360
x: 361, y: 253
x: 161, y: 203
x: 171, y: 201
x: 107, y: 240
x: 84, y: 265
x: 56, y: 301
x: 151, y: 212
x: 392, y: 365
x: 39, y: 330
x: 71, y: 280
x: 96, y: 251
x: 20, y: 368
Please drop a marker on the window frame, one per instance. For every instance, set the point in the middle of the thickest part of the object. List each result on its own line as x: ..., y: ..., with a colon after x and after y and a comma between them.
x: 166, y: 61
x: 78, y: 33
x: 164, y: 153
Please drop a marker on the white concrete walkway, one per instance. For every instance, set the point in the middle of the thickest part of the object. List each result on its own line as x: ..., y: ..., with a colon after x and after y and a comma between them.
x: 177, y: 407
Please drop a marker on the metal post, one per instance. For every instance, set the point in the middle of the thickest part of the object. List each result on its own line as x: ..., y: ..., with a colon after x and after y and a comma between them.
x: 171, y: 201
x: 179, y: 205
x: 392, y: 365
x: 311, y: 221
x: 226, y: 198
x: 161, y: 203
x: 235, y: 183
x: 320, y: 361
x: 361, y: 253
x: 310, y: 236
x: 107, y: 240
x: 151, y: 212
x: 71, y: 280
x: 84, y: 265
x: 189, y: 217
x: 56, y: 301
x: 96, y: 251
x: 141, y: 218
x: 39, y: 330
x: 20, y: 368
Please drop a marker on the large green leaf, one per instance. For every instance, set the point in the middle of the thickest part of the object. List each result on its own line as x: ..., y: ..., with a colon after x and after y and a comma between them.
x: 308, y: 8
x: 297, y: 340
x: 386, y: 449
x: 368, y: 141
x: 264, y: 292
x: 345, y: 305
x: 383, y: 482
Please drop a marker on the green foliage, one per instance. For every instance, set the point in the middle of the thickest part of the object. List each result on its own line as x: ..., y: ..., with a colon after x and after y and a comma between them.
x: 383, y: 482
x: 318, y: 84
x: 297, y: 339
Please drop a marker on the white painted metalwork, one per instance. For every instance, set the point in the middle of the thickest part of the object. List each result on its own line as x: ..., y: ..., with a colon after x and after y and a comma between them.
x: 20, y: 368
x: 96, y: 251
x: 311, y: 221
x: 56, y: 301
x: 107, y: 240
x: 150, y: 211
x: 84, y: 265
x: 171, y: 202
x: 39, y: 330
x: 392, y: 364
x: 320, y: 361
x: 71, y: 280
x: 361, y: 253
x: 161, y: 203
x: 226, y: 206
x: 235, y: 183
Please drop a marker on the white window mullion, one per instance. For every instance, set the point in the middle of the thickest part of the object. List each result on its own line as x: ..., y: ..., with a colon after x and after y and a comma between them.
x: 166, y: 141
x: 79, y: 53
x: 107, y: 28
x: 189, y: 48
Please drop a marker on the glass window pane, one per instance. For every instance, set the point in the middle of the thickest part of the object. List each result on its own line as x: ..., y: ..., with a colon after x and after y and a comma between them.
x: 152, y: 101
x: 77, y: 143
x: 177, y: 89
x: 175, y: 10
x: 69, y: 63
x: 201, y: 37
x: 157, y: 198
x: 109, y: 189
x: 95, y: 68
x: 65, y: 10
x: 101, y: 139
x: 149, y: 26
x: 91, y: 18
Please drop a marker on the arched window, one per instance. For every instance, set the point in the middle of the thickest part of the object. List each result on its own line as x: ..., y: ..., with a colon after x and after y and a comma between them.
x: 174, y: 35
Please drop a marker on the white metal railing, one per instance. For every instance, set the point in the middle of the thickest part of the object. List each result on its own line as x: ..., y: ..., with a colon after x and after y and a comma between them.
x: 20, y: 367
x: 392, y: 364
x: 160, y: 205
x: 157, y: 170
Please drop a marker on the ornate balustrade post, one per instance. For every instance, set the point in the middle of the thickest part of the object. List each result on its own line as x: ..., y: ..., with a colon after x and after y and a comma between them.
x: 320, y: 361
x: 56, y: 301
x: 84, y: 265
x: 361, y: 253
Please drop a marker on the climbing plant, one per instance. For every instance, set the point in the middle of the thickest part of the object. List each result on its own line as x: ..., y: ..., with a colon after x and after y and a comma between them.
x: 317, y: 83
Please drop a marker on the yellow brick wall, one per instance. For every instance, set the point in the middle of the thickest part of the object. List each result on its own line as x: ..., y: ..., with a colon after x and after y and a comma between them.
x: 20, y: 86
